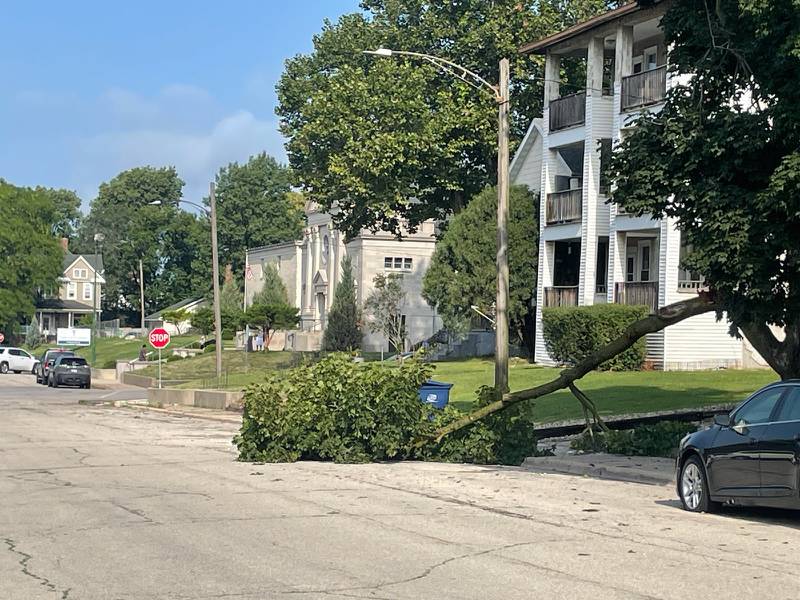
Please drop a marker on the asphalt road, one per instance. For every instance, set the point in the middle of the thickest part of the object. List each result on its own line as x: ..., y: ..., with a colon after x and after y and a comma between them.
x: 114, y: 503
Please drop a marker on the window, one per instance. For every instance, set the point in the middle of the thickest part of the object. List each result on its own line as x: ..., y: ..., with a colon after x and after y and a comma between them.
x: 71, y: 290
x: 637, y: 63
x: 759, y: 408
x: 790, y: 411
x: 87, y: 291
x: 644, y: 274
x: 397, y: 263
x: 79, y: 274
x: 650, y: 58
x: 630, y: 268
x: 602, y: 266
x: 688, y: 280
x: 605, y: 158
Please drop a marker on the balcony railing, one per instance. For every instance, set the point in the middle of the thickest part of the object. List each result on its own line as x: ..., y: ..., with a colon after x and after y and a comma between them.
x: 567, y: 111
x: 641, y: 89
x: 643, y: 293
x: 563, y: 207
x: 561, y: 296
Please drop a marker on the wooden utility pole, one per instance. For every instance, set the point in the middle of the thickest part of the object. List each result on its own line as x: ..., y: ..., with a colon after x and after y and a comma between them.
x: 501, y: 302
x: 215, y: 273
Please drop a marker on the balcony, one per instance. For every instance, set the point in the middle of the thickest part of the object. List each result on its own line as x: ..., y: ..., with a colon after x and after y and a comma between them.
x: 565, y: 295
x: 639, y: 293
x: 642, y: 89
x: 564, y: 207
x: 567, y: 111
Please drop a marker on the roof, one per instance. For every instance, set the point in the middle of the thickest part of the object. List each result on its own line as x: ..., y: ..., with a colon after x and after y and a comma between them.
x: 95, y: 260
x: 66, y: 305
x: 534, y: 131
x: 540, y: 46
x: 182, y: 304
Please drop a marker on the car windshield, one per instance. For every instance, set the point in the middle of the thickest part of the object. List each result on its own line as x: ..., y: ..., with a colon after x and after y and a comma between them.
x: 72, y: 362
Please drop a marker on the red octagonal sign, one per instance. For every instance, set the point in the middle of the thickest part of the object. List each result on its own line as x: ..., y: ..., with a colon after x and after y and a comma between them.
x: 159, y: 338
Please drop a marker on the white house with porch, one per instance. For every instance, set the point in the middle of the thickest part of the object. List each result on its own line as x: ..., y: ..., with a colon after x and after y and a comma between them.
x: 589, y: 251
x: 79, y: 293
x: 310, y: 268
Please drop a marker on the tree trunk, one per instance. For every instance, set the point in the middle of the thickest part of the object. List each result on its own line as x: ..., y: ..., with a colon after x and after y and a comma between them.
x: 664, y: 317
x: 782, y: 356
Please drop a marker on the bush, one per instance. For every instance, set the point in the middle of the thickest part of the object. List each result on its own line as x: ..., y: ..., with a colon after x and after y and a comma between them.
x: 571, y: 333
x: 212, y: 347
x: 174, y: 358
x: 658, y: 439
x: 228, y: 334
x: 340, y: 410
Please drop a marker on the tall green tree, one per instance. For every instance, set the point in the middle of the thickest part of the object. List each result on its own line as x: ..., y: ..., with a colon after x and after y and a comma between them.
x: 384, y: 140
x: 67, y: 206
x: 384, y: 307
x: 463, y: 270
x: 270, y: 318
x: 343, y: 329
x: 32, y: 257
x: 274, y: 290
x: 723, y: 159
x: 254, y: 208
x: 138, y: 213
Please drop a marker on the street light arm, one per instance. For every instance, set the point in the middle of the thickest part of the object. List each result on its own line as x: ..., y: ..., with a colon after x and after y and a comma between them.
x: 447, y: 66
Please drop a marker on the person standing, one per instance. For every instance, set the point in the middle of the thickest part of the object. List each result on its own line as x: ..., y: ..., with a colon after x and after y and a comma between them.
x: 143, y: 353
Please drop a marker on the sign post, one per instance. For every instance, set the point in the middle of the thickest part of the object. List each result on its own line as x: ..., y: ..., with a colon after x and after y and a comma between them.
x: 159, y: 338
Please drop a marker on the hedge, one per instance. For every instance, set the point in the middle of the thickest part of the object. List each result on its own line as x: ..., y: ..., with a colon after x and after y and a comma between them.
x: 573, y: 332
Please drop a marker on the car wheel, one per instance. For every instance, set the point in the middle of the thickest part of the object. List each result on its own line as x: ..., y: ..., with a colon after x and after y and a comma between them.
x: 693, y: 487
x: 88, y: 386
x: 55, y: 382
x: 3, y: 368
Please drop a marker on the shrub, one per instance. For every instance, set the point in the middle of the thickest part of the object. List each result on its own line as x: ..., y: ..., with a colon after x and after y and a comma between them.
x: 573, y: 332
x: 209, y: 348
x: 174, y: 358
x: 340, y: 410
x: 228, y: 334
x: 658, y: 439
x: 342, y: 331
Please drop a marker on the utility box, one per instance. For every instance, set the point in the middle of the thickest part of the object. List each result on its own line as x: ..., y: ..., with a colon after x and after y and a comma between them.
x: 435, y: 393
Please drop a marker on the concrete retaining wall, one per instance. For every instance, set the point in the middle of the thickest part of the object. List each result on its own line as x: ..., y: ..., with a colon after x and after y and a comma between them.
x: 213, y: 399
x: 138, y: 380
x: 104, y: 374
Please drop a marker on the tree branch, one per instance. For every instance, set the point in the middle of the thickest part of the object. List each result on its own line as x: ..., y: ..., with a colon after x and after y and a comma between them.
x: 767, y: 345
x: 664, y: 317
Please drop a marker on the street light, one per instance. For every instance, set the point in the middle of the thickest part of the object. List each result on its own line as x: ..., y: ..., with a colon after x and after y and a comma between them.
x: 212, y: 215
x: 501, y: 95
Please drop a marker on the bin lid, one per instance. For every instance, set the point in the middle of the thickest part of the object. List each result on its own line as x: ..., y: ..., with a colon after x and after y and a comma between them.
x: 437, y: 384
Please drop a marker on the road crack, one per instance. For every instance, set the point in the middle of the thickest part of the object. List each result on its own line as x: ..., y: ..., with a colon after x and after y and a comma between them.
x: 24, y: 559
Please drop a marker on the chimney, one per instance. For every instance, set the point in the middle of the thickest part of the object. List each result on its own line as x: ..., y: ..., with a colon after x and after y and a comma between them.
x: 65, y: 244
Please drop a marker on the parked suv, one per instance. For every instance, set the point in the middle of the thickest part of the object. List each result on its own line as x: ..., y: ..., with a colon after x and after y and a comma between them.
x: 16, y: 360
x: 70, y: 370
x: 46, y: 362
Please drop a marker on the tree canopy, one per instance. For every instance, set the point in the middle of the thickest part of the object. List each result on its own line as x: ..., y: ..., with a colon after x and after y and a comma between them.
x: 389, y: 140
x: 173, y: 244
x: 255, y: 207
x: 32, y: 257
x: 463, y: 269
x: 723, y: 159
x: 67, y: 211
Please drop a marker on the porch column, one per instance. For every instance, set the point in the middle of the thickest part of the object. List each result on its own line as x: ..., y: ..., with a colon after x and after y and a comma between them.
x: 552, y: 77
x: 298, y: 278
x: 623, y: 66
x: 309, y: 268
x: 591, y: 173
x: 331, y: 268
x: 70, y: 319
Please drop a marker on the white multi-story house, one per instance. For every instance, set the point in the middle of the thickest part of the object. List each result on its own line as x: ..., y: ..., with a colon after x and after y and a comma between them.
x: 79, y: 293
x: 590, y: 251
x: 311, y: 267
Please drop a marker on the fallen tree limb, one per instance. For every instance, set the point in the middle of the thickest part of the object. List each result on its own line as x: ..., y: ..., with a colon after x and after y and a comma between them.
x: 664, y: 317
x: 589, y: 407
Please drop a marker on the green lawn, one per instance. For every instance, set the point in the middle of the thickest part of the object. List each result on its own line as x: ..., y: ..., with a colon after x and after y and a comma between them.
x: 614, y: 393
x: 240, y: 369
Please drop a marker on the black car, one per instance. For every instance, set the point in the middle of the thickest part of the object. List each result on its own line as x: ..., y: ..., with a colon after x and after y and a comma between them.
x: 70, y: 370
x: 46, y: 362
x: 750, y: 456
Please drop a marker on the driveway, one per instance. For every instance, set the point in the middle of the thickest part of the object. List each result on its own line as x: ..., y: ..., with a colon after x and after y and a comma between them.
x: 108, y: 503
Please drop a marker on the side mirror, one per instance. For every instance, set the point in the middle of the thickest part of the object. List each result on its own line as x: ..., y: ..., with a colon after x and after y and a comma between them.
x: 722, y: 420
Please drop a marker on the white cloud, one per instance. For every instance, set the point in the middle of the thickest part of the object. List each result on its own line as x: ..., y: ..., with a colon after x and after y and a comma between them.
x: 196, y: 155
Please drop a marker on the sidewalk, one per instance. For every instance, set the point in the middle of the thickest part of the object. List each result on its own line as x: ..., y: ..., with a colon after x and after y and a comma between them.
x: 225, y: 416
x: 637, y: 469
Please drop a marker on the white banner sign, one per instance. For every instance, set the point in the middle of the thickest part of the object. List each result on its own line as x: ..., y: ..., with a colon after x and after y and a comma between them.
x: 71, y: 336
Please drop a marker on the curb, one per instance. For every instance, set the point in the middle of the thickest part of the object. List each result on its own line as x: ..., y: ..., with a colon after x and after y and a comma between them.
x: 597, y: 470
x: 233, y: 418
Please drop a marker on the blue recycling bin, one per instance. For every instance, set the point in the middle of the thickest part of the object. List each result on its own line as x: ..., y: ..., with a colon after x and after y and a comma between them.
x: 435, y: 393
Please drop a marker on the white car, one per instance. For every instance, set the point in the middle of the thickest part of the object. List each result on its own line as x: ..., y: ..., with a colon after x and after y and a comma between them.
x: 17, y: 360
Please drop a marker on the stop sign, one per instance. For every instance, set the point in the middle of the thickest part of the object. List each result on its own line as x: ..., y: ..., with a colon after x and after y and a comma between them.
x: 159, y: 338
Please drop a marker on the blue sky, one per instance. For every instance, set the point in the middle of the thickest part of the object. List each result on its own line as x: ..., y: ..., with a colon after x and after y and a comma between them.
x: 92, y: 88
